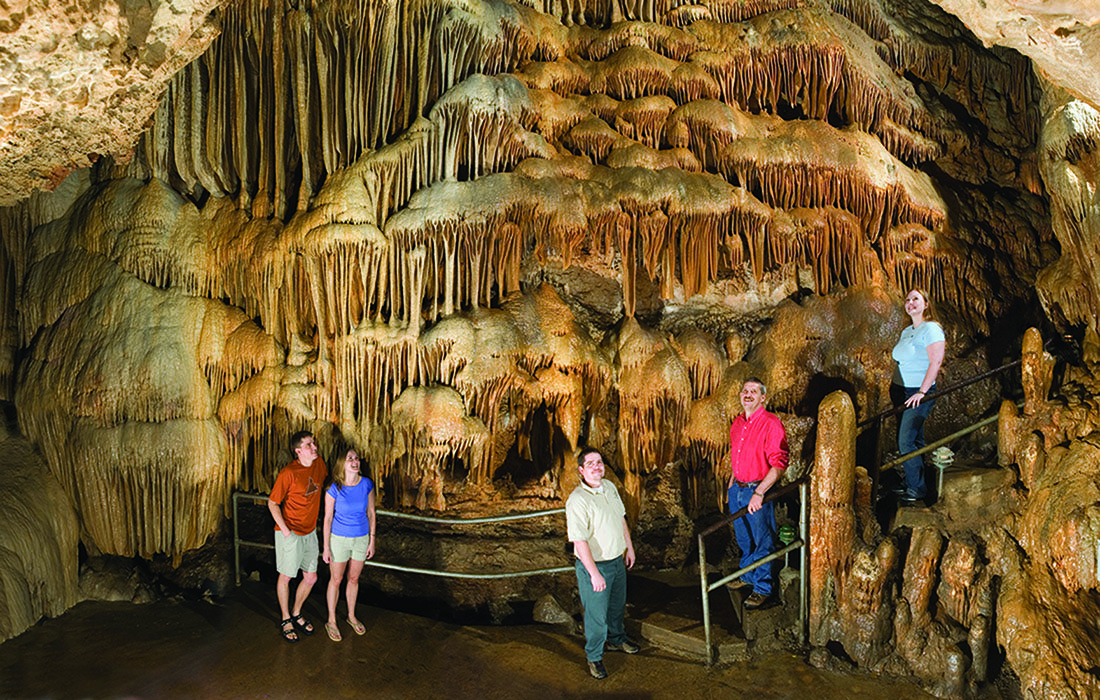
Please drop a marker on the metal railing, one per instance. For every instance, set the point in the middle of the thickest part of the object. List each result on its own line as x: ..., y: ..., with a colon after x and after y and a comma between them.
x: 862, y: 425
x: 803, y: 579
x: 238, y: 542
x: 877, y: 421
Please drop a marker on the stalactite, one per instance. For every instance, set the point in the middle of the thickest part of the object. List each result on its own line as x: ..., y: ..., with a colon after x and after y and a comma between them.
x: 593, y: 138
x: 328, y: 80
x: 655, y: 393
x: 557, y: 114
x: 432, y: 431
x: 484, y: 125
x: 39, y: 539
x: 946, y: 60
x: 705, y: 361
x: 812, y: 61
x: 633, y: 72
x: 663, y: 39
x: 705, y: 443
x: 916, y: 262
x: 810, y: 164
x: 635, y: 155
x: 643, y: 119
x: 832, y: 245
x: 729, y: 11
x: 373, y: 365
x: 707, y: 127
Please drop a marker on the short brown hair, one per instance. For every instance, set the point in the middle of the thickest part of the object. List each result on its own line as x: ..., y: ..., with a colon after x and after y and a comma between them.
x: 587, y: 451
x: 296, y: 439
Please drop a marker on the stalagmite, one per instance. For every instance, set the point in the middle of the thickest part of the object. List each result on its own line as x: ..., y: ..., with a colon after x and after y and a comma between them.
x: 832, y: 526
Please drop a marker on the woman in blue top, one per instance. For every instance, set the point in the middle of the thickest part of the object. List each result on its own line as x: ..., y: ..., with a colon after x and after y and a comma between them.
x: 919, y: 354
x: 348, y: 536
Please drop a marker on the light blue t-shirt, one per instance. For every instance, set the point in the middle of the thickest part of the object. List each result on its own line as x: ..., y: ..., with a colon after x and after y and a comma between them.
x: 349, y: 517
x: 911, y: 352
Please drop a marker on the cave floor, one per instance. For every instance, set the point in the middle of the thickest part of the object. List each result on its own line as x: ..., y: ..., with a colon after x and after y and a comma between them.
x: 232, y: 649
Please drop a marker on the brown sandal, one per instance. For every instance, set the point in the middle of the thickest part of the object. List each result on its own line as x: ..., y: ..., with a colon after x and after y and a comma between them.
x: 333, y: 631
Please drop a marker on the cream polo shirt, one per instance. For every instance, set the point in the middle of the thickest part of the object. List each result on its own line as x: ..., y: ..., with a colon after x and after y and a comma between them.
x: 596, y: 516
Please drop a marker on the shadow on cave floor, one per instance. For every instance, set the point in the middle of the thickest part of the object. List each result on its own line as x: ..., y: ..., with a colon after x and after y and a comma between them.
x: 232, y: 649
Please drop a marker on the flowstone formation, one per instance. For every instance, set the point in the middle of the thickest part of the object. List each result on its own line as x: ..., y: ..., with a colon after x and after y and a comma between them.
x: 39, y: 531
x: 468, y: 238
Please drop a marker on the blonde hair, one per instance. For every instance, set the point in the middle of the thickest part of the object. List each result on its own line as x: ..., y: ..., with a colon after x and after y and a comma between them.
x: 338, y: 474
x: 929, y: 310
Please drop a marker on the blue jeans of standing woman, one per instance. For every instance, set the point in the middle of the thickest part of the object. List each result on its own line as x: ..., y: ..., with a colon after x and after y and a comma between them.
x: 911, y: 437
x: 755, y: 534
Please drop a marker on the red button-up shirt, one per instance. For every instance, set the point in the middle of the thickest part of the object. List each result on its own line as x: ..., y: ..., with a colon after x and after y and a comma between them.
x: 757, y: 444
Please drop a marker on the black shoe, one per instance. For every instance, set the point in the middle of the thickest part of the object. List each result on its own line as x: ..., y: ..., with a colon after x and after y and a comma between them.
x: 597, y: 670
x: 758, y: 601
x: 626, y: 646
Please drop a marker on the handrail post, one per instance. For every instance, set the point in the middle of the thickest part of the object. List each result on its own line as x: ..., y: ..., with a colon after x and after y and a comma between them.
x: 880, y: 426
x: 706, y: 597
x: 804, y: 560
x: 236, y: 542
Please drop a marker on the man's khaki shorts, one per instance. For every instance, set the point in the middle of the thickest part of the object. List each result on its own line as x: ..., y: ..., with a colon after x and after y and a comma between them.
x: 295, y: 553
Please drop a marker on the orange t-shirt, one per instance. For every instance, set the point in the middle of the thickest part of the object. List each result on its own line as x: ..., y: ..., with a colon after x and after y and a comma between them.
x: 297, y: 490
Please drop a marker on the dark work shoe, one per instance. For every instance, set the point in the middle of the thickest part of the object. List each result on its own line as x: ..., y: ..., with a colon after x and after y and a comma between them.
x: 625, y: 646
x: 758, y: 601
x: 597, y: 670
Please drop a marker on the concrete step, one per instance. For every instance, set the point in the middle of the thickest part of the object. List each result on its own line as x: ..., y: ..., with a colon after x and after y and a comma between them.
x: 666, y: 611
x: 687, y: 637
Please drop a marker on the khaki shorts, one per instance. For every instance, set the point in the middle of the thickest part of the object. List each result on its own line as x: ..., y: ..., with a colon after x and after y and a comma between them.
x: 294, y: 553
x: 344, y: 548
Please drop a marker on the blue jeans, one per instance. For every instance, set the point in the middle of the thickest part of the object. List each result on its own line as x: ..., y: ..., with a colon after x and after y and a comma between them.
x: 755, y: 533
x: 911, y: 437
x: 603, y: 610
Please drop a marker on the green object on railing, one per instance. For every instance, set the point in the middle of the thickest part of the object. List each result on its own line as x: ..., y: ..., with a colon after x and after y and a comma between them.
x: 788, y: 533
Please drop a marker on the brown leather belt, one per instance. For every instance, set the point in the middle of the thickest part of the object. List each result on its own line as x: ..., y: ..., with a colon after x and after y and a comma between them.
x: 746, y: 484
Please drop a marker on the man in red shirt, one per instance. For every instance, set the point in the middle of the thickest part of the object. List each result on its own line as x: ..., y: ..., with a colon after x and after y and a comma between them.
x: 294, y: 502
x: 758, y: 456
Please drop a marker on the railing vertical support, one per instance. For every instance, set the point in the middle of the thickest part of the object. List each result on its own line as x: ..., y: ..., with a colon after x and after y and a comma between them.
x: 804, y: 559
x: 236, y: 542
x: 880, y: 426
x: 706, y: 598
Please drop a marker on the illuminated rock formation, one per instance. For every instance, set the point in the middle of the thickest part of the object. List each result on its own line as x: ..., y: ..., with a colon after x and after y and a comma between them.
x: 467, y: 238
x: 38, y: 541
x: 1008, y: 557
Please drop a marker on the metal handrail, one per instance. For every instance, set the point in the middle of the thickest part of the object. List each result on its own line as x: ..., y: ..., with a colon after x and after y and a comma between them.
x: 802, y: 484
x: 943, y: 392
x: 878, y: 421
x: 237, y: 542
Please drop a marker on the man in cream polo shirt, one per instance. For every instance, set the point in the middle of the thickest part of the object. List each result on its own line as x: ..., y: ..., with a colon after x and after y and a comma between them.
x: 596, y: 521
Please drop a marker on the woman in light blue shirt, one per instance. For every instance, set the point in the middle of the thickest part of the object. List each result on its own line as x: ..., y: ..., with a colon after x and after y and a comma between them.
x: 919, y: 354
x: 348, y: 536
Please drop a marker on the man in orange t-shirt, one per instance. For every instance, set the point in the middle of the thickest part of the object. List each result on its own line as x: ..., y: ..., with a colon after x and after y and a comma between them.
x: 294, y: 502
